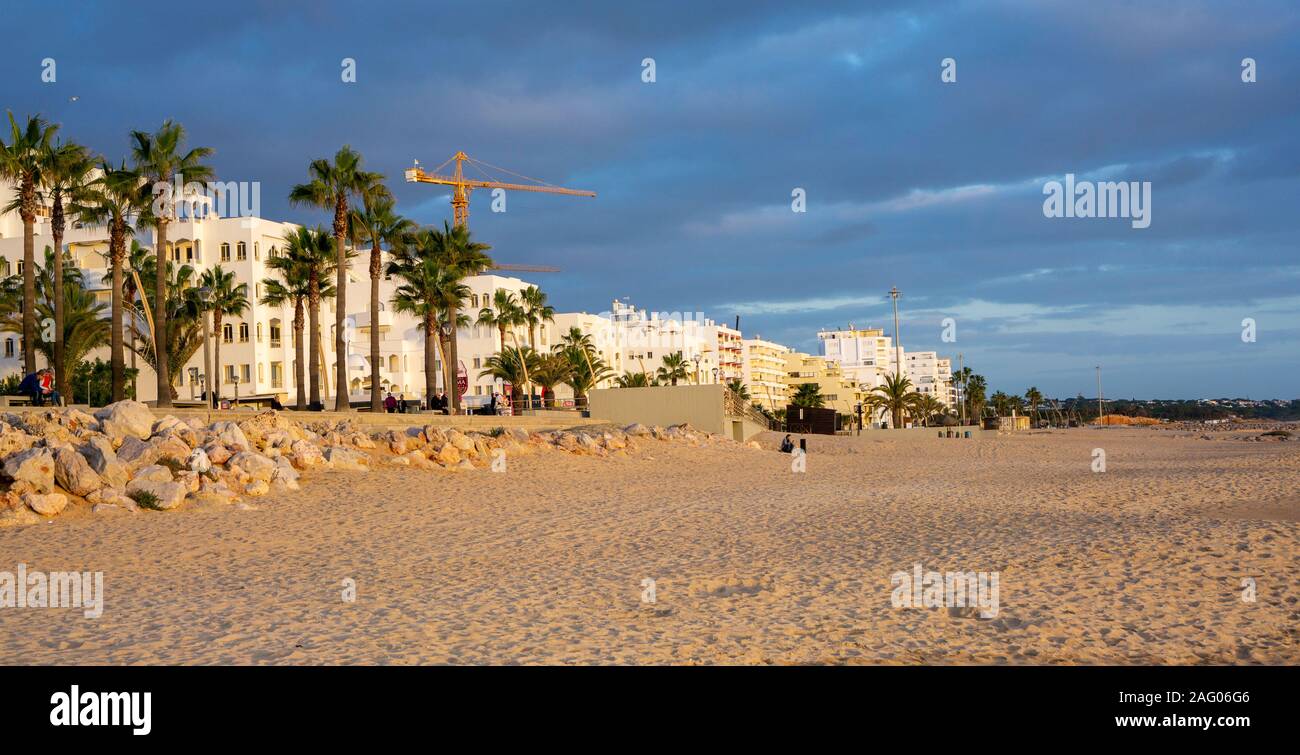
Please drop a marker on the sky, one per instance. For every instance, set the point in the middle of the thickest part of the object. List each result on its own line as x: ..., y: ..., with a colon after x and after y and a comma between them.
x: 933, y: 186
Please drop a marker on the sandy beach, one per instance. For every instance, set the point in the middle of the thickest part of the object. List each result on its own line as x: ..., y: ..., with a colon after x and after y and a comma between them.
x: 753, y: 564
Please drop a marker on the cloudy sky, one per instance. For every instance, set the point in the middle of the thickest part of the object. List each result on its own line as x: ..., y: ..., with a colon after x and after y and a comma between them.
x: 934, y: 187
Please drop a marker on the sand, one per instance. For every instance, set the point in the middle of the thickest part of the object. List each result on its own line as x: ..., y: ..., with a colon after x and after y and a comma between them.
x: 753, y: 564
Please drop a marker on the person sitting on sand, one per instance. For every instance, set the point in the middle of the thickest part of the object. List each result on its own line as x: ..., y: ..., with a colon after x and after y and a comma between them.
x: 787, y: 445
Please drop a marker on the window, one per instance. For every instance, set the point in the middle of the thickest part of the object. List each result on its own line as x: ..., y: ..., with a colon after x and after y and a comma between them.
x: 477, y: 363
x: 243, y: 332
x: 4, y: 268
x: 256, y: 256
x: 176, y: 254
x: 189, y: 253
x: 275, y: 334
x: 275, y: 252
x: 225, y: 252
x: 230, y: 373
x: 228, y: 333
x: 246, y: 373
x: 241, y: 251
x: 259, y: 332
x: 277, y: 375
x: 9, y: 348
x: 392, y: 363
x: 260, y: 371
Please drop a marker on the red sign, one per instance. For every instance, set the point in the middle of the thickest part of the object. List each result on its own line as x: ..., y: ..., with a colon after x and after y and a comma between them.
x: 462, y: 379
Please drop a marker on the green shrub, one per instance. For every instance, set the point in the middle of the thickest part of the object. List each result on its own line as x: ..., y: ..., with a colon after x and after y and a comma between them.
x: 145, y: 499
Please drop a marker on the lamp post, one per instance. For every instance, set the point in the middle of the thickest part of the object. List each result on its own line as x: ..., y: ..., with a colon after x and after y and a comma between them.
x: 449, y: 331
x: 697, y: 359
x: 715, y: 375
x: 205, y: 295
x: 894, y: 293
x: 234, y: 380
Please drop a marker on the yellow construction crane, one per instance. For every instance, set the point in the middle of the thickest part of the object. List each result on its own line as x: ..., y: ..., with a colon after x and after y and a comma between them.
x: 461, y: 186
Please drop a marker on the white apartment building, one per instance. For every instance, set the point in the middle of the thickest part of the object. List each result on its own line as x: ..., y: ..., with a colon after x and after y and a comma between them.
x: 257, y: 346
x: 763, y: 370
x: 868, y: 355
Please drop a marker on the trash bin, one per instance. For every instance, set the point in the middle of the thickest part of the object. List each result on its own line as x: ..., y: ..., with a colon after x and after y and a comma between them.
x: 968, y: 433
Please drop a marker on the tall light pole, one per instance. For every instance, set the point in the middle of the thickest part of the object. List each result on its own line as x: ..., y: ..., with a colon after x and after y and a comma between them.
x: 204, y: 294
x: 894, y: 293
x: 1100, y: 413
x: 961, y: 390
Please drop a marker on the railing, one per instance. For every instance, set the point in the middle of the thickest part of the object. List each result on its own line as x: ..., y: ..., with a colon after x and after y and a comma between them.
x: 735, y: 406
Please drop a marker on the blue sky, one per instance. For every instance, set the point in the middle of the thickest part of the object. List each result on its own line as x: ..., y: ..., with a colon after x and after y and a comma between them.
x: 934, y: 187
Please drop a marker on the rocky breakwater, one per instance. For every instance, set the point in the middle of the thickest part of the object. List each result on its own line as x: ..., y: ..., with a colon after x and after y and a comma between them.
x: 124, y: 460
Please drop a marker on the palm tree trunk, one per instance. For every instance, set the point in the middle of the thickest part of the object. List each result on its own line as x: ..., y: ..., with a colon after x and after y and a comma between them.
x: 62, y: 380
x: 313, y: 340
x: 299, y: 364
x: 376, y: 400
x: 430, y: 359
x: 162, y: 368
x: 453, y: 362
x: 29, y: 277
x: 216, y: 353
x: 118, y: 255
x: 445, y: 345
x: 341, y: 402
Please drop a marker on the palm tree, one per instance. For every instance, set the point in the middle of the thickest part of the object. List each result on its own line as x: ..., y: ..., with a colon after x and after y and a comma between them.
x: 22, y: 161
x: 536, y: 311
x: 1001, y: 403
x: 512, y: 365
x: 674, y: 368
x: 305, y: 267
x: 83, y: 328
x: 223, y: 298
x: 504, y: 313
x: 898, y: 396
x: 330, y: 186
x: 808, y: 395
x: 925, y: 406
x: 635, y: 380
x: 426, y: 289
x: 1034, y: 397
x: 140, y: 259
x: 976, y: 388
x: 160, y: 159
x: 291, y: 287
x: 551, y: 370
x: 586, y: 368
x: 67, y: 169
x: 114, y: 200
x: 462, y: 257
x: 738, y: 387
x: 379, y: 224
x: 185, y: 310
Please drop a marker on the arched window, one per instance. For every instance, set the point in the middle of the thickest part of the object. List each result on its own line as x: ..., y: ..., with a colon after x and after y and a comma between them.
x: 256, y: 256
x: 275, y: 334
x: 243, y: 332
x: 241, y: 251
x: 228, y: 333
x: 225, y: 252
x: 392, y: 363
x: 259, y: 335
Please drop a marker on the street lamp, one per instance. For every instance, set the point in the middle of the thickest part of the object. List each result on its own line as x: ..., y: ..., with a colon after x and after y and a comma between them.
x: 234, y: 380
x: 697, y: 359
x: 205, y: 295
x: 715, y: 375
x: 453, y: 394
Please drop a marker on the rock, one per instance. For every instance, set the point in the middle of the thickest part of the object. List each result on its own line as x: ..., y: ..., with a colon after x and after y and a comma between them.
x: 217, y: 453
x: 231, y: 436
x: 345, y: 458
x: 361, y: 440
x: 636, y: 429
x: 98, y: 452
x: 154, y: 473
x: 466, y: 464
x: 567, y: 441
x: 257, y: 488
x: 13, y: 440
x: 19, y: 516
x: 434, y: 436
x: 107, y: 508
x: 461, y: 441
x: 519, y: 434
x: 169, y: 495
x: 396, y: 441
x: 34, y: 466
x: 415, y: 459
x: 400, y: 461
x: 188, y: 480
x: 171, y: 447
x: 198, y: 461
x: 135, y: 453
x: 48, y: 504
x: 255, y: 465
x: 125, y: 419
x: 448, y: 455
x: 306, y: 454
x: 73, y: 473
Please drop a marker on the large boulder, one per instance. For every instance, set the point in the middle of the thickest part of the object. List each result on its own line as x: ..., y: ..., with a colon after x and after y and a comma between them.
x: 73, y: 473
x: 13, y: 440
x: 345, y: 458
x: 254, y: 465
x: 34, y: 466
x: 98, y: 453
x: 125, y: 419
x: 47, y: 504
x: 461, y: 441
x: 230, y: 435
x: 167, y: 495
x: 435, y: 436
x: 153, y: 473
x: 304, y: 454
x: 136, y: 454
x: 448, y: 455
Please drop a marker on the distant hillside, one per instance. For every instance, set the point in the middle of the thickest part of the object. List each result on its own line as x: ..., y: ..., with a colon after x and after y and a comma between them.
x: 1192, y: 409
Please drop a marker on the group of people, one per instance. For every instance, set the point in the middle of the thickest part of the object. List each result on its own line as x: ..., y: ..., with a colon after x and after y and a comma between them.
x: 397, y: 404
x: 39, y: 386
